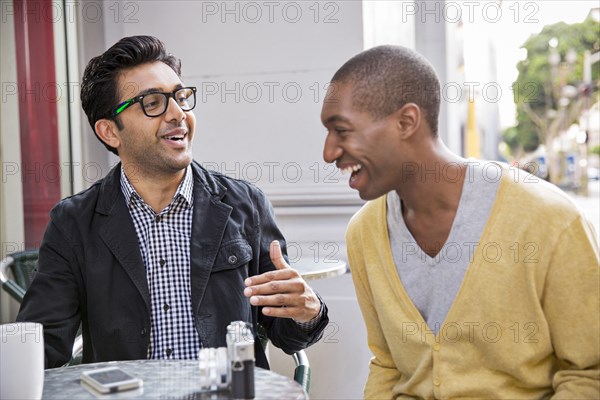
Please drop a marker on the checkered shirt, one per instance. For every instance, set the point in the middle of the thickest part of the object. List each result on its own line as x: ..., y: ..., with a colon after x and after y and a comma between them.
x: 164, y: 240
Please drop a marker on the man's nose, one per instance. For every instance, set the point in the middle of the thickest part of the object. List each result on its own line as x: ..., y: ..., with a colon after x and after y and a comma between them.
x: 331, y: 149
x: 174, y: 112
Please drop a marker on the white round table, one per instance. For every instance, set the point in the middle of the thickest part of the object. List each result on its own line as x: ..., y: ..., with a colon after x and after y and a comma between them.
x: 163, y: 379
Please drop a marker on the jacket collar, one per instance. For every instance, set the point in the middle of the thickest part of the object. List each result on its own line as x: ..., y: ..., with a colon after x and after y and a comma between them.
x: 110, y: 187
x: 208, y: 182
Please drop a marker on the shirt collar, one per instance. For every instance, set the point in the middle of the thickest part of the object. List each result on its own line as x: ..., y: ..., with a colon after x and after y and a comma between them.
x: 185, y: 189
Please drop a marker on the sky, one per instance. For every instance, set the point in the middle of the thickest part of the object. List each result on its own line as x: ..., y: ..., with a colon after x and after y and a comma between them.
x: 520, y: 20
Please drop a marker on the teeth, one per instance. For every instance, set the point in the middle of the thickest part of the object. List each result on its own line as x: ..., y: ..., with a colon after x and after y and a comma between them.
x: 350, y: 169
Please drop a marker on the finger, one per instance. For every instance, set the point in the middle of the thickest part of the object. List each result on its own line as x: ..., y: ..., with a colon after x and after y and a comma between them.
x: 299, y: 314
x: 275, y: 300
x: 282, y: 271
x: 276, y: 275
x: 276, y: 256
x: 279, y: 312
x: 275, y: 287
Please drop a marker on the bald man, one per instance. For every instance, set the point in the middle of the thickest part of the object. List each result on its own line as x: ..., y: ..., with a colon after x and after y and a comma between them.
x: 475, y: 280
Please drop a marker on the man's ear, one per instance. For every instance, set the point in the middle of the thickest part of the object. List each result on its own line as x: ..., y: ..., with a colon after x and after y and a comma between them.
x: 108, y: 132
x: 408, y: 118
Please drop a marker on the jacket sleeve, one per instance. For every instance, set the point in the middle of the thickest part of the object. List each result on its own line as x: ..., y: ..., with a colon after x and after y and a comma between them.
x: 52, y: 298
x: 383, y: 374
x: 284, y: 333
x: 572, y: 305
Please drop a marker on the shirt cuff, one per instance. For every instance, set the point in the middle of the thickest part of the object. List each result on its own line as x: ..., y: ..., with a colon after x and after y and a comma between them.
x: 309, y: 326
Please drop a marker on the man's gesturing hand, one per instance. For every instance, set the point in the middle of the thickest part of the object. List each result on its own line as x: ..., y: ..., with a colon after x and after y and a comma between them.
x: 282, y: 293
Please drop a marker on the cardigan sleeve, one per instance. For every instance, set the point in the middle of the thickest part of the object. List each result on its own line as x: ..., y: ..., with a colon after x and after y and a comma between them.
x: 572, y: 305
x: 383, y: 374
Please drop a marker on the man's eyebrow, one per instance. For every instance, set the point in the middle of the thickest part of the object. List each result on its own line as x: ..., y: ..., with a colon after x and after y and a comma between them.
x: 336, y: 118
x: 147, y: 91
x: 156, y: 90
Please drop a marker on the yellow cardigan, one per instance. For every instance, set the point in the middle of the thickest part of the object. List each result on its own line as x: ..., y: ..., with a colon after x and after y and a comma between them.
x: 525, y: 322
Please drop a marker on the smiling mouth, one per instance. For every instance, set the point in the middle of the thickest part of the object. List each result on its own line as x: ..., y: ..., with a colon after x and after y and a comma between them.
x: 176, y: 138
x: 353, y: 170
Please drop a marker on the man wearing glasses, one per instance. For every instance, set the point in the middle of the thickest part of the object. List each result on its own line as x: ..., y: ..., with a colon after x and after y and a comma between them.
x: 157, y: 258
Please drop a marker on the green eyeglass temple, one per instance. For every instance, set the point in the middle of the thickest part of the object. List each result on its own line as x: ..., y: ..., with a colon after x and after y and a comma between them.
x: 139, y: 99
x: 123, y: 106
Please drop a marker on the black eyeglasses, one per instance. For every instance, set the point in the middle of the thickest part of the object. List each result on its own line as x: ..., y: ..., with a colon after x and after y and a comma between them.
x: 155, y: 104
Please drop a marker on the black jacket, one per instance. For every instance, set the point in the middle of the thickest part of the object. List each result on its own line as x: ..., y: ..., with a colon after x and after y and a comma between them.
x: 90, y: 271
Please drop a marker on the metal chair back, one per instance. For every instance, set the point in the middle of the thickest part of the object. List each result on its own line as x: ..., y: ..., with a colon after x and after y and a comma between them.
x: 16, y: 272
x: 302, y: 372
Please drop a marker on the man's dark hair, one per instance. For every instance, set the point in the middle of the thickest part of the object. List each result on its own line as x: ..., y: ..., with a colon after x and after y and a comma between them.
x: 99, y: 92
x: 384, y: 78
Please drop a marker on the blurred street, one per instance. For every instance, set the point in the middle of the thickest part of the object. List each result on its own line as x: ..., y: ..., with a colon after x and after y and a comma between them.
x: 590, y: 204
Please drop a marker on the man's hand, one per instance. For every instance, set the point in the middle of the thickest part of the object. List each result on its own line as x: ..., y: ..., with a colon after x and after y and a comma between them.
x: 282, y: 293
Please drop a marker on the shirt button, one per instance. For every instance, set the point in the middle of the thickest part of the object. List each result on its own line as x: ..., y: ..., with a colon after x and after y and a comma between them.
x: 232, y: 259
x: 437, y: 382
x: 161, y: 262
x: 157, y: 218
x: 169, y: 352
x: 436, y: 347
x: 166, y: 307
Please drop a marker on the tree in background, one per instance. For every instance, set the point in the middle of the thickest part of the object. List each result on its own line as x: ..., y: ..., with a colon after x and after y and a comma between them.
x: 549, y: 93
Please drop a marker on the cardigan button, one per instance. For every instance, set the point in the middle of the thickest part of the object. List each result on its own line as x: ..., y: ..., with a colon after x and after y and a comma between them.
x: 143, y: 332
x: 436, y: 347
x: 437, y: 382
x: 232, y: 259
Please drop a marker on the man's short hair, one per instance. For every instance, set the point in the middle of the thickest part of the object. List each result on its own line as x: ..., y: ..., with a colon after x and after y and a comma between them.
x: 99, y: 91
x: 385, y: 78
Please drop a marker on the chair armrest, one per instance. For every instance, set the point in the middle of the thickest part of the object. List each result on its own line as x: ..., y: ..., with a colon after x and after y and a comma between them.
x: 14, y: 290
x: 302, y: 373
x: 11, y: 287
x: 4, y: 264
x: 77, y: 346
x: 76, y: 353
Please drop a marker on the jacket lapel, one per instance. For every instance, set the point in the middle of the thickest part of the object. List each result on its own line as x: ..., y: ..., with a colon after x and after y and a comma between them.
x: 208, y: 226
x: 118, y: 232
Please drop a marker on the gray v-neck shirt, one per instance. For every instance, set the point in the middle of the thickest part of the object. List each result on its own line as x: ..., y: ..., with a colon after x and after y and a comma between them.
x: 433, y: 282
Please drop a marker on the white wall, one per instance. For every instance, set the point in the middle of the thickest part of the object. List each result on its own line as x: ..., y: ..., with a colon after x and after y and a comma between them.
x: 261, y: 69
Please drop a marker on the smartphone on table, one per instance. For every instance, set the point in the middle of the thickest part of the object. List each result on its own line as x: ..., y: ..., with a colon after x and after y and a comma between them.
x: 110, y: 380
